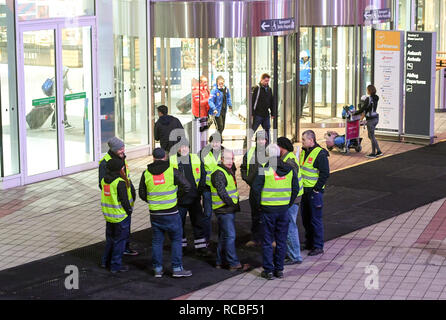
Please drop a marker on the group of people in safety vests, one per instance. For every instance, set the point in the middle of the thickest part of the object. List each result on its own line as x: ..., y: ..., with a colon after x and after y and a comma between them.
x: 173, y: 186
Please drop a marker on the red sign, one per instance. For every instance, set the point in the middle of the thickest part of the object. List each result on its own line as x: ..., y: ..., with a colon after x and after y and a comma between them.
x: 278, y: 178
x: 107, y: 190
x: 352, y: 130
x: 198, y: 170
x: 157, y: 180
x: 310, y: 160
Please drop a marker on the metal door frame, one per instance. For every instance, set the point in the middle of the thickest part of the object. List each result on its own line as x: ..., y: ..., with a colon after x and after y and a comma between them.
x: 56, y: 24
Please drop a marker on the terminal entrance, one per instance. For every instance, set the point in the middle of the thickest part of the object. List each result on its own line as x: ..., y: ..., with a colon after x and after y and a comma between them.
x: 56, y: 102
x: 180, y: 63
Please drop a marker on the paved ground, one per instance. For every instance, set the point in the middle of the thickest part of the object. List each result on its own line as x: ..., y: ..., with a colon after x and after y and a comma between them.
x: 55, y: 216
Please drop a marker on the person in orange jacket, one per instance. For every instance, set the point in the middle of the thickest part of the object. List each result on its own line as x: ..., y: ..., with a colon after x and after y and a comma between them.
x: 200, y: 98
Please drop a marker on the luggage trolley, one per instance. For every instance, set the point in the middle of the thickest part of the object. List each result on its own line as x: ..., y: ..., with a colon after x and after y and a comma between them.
x: 351, y: 139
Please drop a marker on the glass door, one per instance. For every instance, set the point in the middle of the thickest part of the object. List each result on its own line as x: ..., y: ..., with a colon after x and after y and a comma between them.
x: 55, y: 69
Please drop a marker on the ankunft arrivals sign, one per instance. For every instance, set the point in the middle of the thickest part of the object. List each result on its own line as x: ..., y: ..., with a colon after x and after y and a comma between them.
x: 389, y: 64
x: 420, y: 84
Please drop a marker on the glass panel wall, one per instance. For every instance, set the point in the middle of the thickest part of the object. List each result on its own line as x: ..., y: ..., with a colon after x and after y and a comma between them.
x: 78, y: 103
x: 131, y: 77
x: 327, y: 72
x: 41, y: 103
x: 9, y: 157
x: 431, y: 16
x: 44, y: 9
x: 186, y: 72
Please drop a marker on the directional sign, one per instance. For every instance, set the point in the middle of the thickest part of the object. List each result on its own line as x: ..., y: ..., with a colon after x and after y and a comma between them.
x: 43, y: 101
x: 277, y: 25
x: 379, y: 14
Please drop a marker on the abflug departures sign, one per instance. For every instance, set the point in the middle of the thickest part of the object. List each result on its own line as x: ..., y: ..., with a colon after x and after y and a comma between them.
x: 419, y: 83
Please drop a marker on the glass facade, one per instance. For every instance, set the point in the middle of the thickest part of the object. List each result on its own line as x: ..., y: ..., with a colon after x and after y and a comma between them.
x: 431, y: 16
x: 183, y: 72
x: 45, y: 9
x: 131, y: 74
x: 9, y: 157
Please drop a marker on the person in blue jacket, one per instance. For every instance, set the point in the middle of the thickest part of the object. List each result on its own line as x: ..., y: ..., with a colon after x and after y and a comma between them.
x: 305, y: 78
x: 219, y: 102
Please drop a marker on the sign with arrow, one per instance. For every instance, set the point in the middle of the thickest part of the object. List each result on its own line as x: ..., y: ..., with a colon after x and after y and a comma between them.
x: 277, y: 25
x: 378, y: 15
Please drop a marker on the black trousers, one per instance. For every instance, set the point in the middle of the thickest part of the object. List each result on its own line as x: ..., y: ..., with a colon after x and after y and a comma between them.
x: 256, y: 222
x: 303, y: 97
x: 53, y: 119
x: 221, y: 121
x: 197, y: 220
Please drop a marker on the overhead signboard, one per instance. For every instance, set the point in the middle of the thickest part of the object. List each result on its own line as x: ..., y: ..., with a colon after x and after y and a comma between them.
x: 389, y: 81
x: 378, y: 14
x: 277, y: 25
x: 420, y: 84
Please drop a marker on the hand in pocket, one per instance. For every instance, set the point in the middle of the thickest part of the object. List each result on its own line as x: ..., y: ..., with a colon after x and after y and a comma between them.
x: 316, y: 199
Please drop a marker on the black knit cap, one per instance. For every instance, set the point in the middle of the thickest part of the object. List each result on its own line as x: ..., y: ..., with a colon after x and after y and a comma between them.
x: 285, y: 143
x: 115, y: 165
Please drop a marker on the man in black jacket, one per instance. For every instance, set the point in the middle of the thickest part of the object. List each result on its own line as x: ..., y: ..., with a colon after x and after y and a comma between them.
x: 263, y: 103
x: 314, y: 166
x: 193, y: 170
x: 252, y: 160
x: 165, y: 127
x: 165, y: 220
x: 117, y: 151
x: 117, y: 233
x: 226, y: 203
x: 274, y: 191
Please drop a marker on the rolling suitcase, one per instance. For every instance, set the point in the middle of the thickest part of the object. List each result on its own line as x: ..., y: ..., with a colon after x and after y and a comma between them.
x: 38, y: 115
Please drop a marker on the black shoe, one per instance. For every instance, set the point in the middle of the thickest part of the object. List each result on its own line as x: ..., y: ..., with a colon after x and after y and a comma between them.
x: 379, y: 154
x: 289, y: 262
x: 371, y: 156
x: 308, y: 248
x: 130, y: 252
x: 316, y: 251
x: 122, y: 269
x: 267, y: 275
x: 278, y: 274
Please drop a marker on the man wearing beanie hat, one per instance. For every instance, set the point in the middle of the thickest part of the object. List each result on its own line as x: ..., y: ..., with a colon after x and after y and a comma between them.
x: 116, y: 151
x: 193, y: 170
x: 293, y: 245
x: 252, y: 160
x: 161, y: 186
x: 117, y: 201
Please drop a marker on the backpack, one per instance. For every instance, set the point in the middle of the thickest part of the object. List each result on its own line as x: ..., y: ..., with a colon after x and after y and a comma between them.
x: 48, y: 87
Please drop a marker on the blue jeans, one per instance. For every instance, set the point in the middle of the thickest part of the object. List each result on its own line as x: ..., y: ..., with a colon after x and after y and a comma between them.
x: 293, y: 244
x: 264, y: 121
x: 116, y: 235
x: 173, y: 226
x: 207, y: 221
x: 226, y: 253
x: 275, y: 228
x: 311, y: 209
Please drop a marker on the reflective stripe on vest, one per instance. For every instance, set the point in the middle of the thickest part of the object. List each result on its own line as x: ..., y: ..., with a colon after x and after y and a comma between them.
x: 309, y: 173
x: 108, y: 157
x: 111, y: 206
x: 196, y: 165
x: 276, y: 190
x: 231, y: 189
x: 210, y: 164
x: 292, y: 156
x: 161, y: 190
